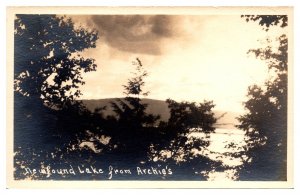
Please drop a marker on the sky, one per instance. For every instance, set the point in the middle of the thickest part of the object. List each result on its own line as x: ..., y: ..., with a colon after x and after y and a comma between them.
x: 188, y: 57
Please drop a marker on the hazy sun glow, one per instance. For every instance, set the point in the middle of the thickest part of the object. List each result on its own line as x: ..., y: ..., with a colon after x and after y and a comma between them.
x: 193, y: 58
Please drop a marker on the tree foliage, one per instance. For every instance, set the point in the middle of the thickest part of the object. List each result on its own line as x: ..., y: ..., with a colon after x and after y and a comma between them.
x: 48, y: 64
x: 184, y: 137
x: 48, y: 70
x: 265, y: 123
x: 266, y: 21
x: 131, y: 111
x: 135, y: 84
x: 131, y: 122
x: 187, y: 115
x: 51, y: 128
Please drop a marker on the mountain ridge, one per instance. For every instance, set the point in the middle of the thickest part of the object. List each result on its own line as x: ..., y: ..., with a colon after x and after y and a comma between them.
x: 159, y: 107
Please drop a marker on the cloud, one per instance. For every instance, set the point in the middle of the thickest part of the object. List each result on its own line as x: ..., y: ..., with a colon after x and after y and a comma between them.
x: 136, y: 33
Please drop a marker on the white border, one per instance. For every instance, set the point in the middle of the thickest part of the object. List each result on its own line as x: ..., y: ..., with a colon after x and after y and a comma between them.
x: 5, y: 3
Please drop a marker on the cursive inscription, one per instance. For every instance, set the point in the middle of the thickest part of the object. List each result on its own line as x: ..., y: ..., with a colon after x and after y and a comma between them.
x: 110, y: 172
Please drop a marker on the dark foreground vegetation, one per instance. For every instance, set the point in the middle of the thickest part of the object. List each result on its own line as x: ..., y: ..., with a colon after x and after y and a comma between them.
x: 58, y: 137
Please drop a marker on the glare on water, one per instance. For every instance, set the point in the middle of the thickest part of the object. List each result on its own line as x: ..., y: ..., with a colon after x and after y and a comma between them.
x: 218, y: 150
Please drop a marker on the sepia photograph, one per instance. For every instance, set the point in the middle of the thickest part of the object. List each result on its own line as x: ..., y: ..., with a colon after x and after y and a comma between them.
x: 185, y: 96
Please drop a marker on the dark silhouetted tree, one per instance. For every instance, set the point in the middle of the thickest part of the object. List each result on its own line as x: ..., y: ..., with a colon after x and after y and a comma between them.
x: 185, y: 136
x: 47, y: 61
x: 266, y: 21
x: 131, y: 111
x: 135, y: 84
x: 265, y: 123
x: 187, y: 115
x: 132, y: 122
x: 48, y: 70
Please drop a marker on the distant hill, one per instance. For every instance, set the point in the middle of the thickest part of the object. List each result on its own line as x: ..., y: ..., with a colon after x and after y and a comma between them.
x: 159, y: 107
x: 156, y: 107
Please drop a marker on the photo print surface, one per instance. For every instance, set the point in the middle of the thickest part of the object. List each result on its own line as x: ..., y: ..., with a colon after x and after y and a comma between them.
x: 162, y: 96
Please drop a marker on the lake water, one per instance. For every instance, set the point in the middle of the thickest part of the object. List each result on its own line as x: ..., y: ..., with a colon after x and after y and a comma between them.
x: 218, y: 150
